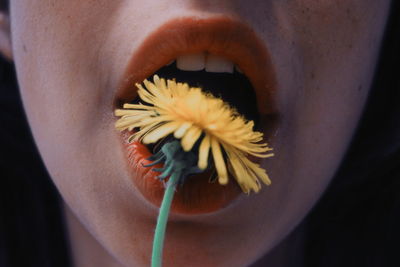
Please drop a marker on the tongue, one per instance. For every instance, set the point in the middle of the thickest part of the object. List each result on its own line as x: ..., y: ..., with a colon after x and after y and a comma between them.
x: 232, y: 88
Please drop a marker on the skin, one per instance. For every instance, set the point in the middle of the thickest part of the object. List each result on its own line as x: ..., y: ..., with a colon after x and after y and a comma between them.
x: 69, y: 57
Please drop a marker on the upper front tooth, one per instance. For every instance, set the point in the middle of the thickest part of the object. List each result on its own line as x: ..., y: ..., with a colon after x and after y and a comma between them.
x: 192, y: 62
x: 218, y: 64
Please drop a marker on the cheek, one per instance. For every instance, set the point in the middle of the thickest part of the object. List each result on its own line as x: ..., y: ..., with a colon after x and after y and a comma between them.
x: 325, y: 55
x: 333, y: 66
x: 62, y: 69
x: 67, y: 87
x: 326, y: 66
x: 325, y: 52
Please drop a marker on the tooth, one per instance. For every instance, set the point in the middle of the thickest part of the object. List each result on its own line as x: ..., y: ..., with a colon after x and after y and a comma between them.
x: 191, y: 62
x: 218, y: 64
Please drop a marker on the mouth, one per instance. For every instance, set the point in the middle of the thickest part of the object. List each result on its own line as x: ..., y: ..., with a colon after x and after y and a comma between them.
x: 224, y: 57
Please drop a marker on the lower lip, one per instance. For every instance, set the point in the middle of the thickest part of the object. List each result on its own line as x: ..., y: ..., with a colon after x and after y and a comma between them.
x: 196, y: 196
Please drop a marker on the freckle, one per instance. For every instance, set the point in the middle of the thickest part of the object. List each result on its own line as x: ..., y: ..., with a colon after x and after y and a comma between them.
x: 359, y: 88
x: 312, y: 76
x: 24, y: 48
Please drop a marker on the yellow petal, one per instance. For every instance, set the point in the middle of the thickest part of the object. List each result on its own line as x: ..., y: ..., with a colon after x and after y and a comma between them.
x: 137, y: 106
x: 190, y: 138
x: 180, y: 132
x: 160, y: 83
x: 203, y: 152
x: 144, y: 94
x: 219, y: 161
x: 130, y: 112
x: 246, y: 172
x: 160, y: 132
x: 238, y: 171
x: 258, y: 171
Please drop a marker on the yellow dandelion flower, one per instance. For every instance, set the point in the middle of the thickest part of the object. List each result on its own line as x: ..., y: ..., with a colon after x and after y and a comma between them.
x: 190, y: 115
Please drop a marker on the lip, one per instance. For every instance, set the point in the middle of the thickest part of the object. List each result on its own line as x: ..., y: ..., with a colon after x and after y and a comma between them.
x: 221, y: 36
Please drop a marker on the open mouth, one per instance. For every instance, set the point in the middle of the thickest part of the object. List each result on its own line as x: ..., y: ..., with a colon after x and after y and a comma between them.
x: 223, y: 57
x: 217, y: 76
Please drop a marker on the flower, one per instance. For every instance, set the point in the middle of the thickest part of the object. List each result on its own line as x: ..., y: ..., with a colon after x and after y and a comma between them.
x: 194, y: 116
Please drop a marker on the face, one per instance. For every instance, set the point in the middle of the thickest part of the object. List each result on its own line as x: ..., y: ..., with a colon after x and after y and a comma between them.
x: 72, y: 57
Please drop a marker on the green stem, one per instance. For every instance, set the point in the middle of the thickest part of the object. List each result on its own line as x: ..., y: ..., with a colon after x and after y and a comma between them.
x: 158, y: 243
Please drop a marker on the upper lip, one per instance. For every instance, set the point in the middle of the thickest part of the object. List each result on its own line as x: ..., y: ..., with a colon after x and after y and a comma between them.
x: 221, y: 36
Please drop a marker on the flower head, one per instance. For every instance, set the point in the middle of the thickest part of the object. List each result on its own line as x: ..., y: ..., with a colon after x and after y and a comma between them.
x: 201, y: 121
